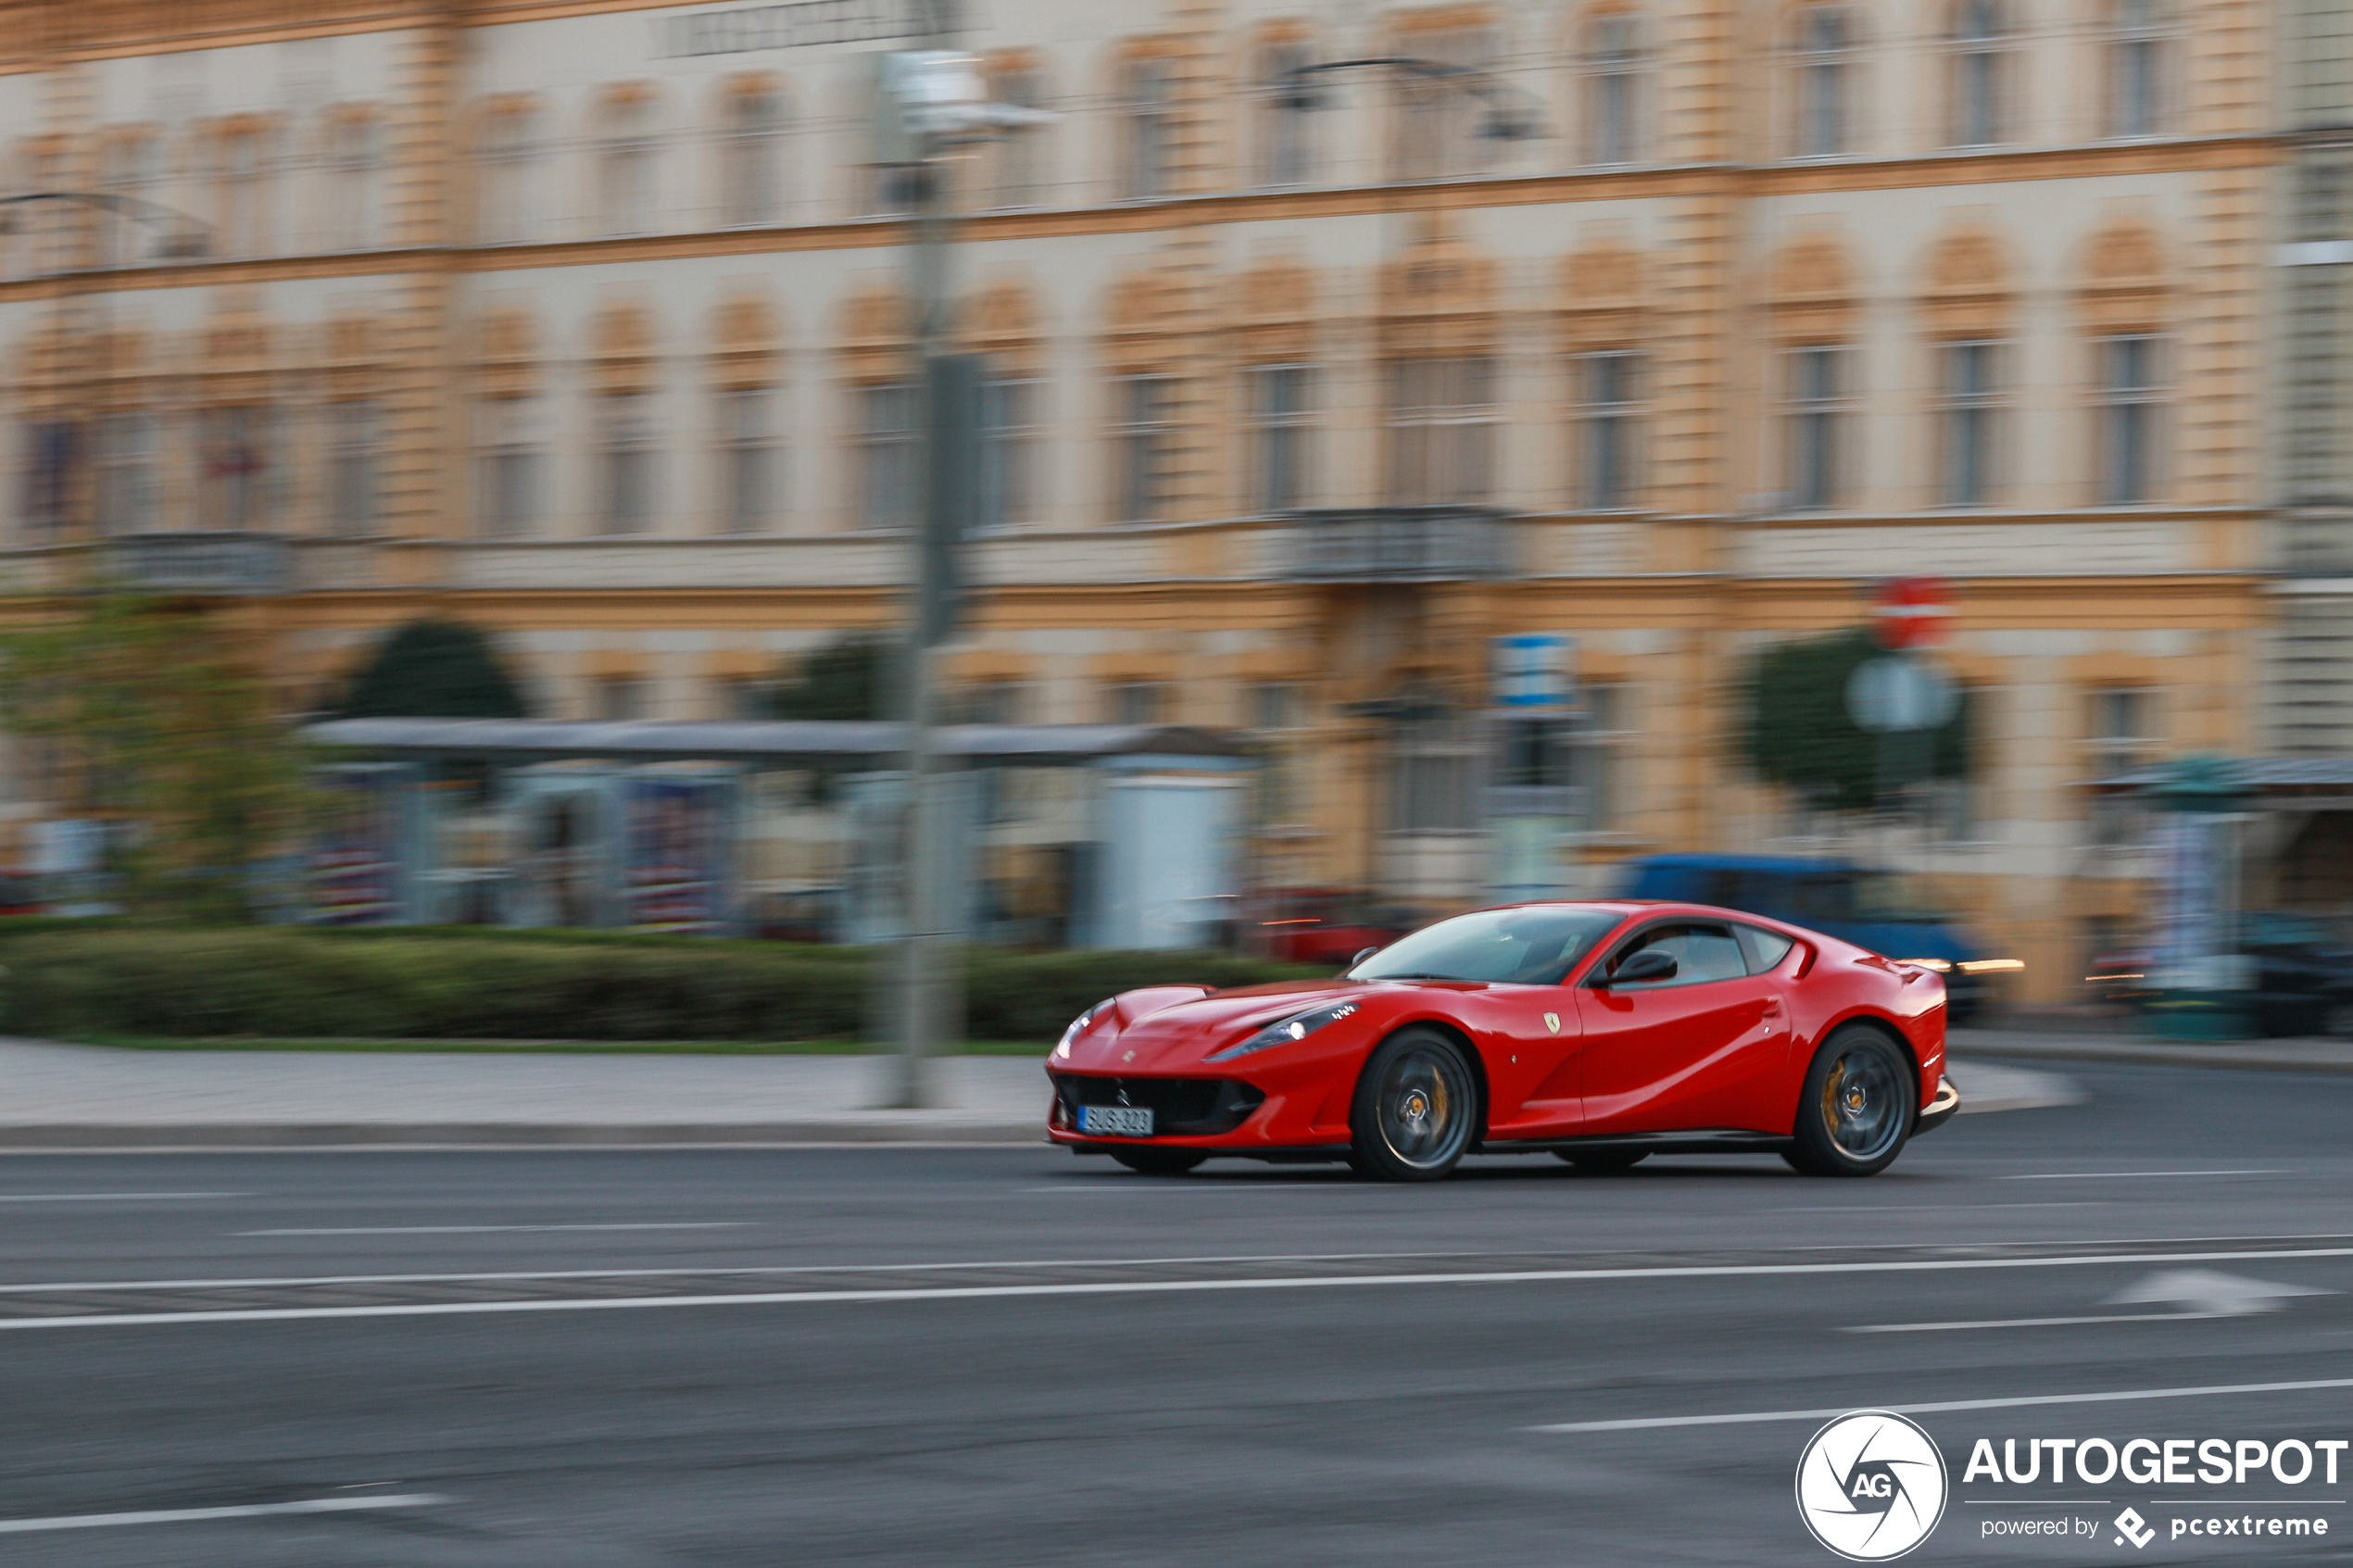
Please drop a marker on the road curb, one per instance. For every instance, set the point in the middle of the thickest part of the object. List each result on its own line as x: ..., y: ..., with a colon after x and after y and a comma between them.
x: 2154, y: 1053
x: 1987, y: 1087
x: 900, y: 1128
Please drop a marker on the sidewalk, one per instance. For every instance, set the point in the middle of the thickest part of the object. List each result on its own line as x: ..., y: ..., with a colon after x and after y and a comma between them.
x: 2263, y: 1056
x: 94, y: 1097
x: 66, y: 1096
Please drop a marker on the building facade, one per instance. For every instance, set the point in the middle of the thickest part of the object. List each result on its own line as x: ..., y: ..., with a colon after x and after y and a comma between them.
x: 584, y: 320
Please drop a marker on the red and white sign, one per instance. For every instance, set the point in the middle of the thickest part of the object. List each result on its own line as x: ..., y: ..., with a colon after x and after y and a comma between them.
x: 1911, y: 612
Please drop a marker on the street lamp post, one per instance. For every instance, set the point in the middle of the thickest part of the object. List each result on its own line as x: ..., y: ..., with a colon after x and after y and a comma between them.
x: 1511, y: 114
x: 929, y: 103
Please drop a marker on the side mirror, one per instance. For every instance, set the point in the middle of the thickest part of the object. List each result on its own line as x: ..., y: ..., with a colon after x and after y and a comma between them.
x: 1362, y: 954
x: 1651, y: 963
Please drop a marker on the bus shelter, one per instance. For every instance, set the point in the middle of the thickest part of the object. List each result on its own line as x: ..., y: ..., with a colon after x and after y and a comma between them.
x: 1103, y: 835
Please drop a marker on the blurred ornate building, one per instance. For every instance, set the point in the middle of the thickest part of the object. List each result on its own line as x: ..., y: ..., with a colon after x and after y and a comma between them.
x: 582, y: 320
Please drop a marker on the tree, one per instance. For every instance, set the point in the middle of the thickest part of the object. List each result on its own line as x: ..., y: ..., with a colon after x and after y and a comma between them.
x: 434, y: 669
x: 162, y: 724
x: 1801, y: 736
x: 849, y: 678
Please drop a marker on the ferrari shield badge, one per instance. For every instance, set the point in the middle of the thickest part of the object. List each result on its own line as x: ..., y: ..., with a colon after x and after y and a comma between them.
x: 1553, y: 1022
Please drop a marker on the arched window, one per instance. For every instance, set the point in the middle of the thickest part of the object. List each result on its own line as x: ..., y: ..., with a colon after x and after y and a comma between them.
x: 127, y: 166
x: 244, y: 163
x: 1825, y: 82
x: 1149, y: 130
x: 1614, y: 89
x: 510, y: 153
x: 1818, y: 413
x: 2136, y: 69
x: 2131, y: 392
x: 512, y: 476
x: 1979, y: 48
x: 626, y: 165
x: 628, y: 453
x: 1021, y: 150
x: 1442, y: 429
x: 751, y: 155
x: 1286, y: 152
x: 354, y: 156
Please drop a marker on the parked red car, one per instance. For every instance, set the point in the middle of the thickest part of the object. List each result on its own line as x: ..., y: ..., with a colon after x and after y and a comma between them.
x: 1318, y: 925
x: 1600, y: 1033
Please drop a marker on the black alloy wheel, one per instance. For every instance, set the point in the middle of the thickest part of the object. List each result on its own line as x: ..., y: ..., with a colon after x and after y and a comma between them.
x: 1602, y: 1162
x: 1159, y: 1161
x: 1416, y: 1105
x: 1857, y: 1107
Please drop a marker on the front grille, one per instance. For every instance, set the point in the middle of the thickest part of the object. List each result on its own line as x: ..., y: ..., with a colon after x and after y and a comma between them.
x: 1185, y: 1106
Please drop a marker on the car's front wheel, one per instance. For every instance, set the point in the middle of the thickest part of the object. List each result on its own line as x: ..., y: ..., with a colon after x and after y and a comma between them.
x: 1417, y: 1104
x: 1858, y: 1106
x: 1159, y: 1161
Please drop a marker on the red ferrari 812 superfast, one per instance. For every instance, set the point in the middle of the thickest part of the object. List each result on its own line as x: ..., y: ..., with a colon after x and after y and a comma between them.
x: 1599, y: 1032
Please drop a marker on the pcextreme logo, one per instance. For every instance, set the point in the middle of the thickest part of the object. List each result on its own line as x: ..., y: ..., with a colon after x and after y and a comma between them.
x: 1871, y: 1486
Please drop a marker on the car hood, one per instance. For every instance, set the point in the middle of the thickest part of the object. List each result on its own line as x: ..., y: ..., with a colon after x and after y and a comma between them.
x: 1171, y: 1029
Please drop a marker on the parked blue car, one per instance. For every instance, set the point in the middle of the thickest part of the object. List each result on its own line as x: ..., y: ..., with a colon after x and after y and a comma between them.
x: 1872, y: 909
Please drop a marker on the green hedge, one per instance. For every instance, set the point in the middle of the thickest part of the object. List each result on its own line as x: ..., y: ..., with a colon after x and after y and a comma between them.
x: 289, y: 984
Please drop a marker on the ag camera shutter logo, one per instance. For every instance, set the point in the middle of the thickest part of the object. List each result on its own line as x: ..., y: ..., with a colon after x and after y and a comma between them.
x: 1871, y: 1486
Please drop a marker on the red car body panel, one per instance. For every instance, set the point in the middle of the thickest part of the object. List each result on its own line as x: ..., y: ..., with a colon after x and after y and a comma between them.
x: 1558, y: 1061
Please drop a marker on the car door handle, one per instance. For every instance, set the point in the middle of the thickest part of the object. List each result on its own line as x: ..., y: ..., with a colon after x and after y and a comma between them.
x: 1772, y: 1008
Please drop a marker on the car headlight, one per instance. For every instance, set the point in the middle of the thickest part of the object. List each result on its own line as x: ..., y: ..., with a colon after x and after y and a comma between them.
x: 1078, y: 1027
x: 1284, y: 1031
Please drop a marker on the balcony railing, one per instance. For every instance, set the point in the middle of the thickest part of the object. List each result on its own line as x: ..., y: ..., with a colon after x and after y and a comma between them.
x: 1394, y: 545
x: 233, y: 563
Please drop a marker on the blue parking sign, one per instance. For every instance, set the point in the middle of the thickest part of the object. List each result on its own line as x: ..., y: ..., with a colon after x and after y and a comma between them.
x: 1533, y: 670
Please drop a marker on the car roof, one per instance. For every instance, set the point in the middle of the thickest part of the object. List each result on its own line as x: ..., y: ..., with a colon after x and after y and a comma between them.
x: 1792, y: 863
x: 1629, y: 908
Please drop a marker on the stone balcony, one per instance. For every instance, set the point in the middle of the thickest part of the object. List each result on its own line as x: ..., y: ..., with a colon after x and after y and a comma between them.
x: 202, y: 562
x: 1394, y: 545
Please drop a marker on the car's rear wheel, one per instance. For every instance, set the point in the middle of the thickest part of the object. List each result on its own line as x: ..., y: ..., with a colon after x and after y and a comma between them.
x: 1417, y: 1104
x: 1602, y: 1162
x: 1857, y: 1107
x: 1159, y: 1161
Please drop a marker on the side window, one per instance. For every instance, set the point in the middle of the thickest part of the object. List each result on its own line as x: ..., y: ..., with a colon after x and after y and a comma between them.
x: 1702, y: 953
x: 1764, y: 949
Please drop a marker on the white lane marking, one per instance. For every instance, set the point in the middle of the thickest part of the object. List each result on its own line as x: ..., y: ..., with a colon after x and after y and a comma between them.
x: 193, y: 1515
x: 476, y: 1230
x: 1126, y: 1287
x: 2124, y: 1176
x: 113, y: 1196
x: 2035, y: 1323
x: 1933, y: 1207
x: 1748, y: 1417
x: 771, y: 1269
x: 1188, y: 1189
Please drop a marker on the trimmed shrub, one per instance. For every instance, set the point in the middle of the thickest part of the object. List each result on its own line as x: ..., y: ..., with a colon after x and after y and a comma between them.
x: 292, y: 984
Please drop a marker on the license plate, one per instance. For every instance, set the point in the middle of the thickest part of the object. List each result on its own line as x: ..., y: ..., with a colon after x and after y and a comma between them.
x: 1120, y: 1121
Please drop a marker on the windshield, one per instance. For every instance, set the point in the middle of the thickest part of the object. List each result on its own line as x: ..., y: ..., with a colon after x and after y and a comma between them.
x: 1524, y: 946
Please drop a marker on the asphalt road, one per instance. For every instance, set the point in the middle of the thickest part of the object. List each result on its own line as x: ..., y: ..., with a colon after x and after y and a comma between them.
x: 1008, y: 1356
